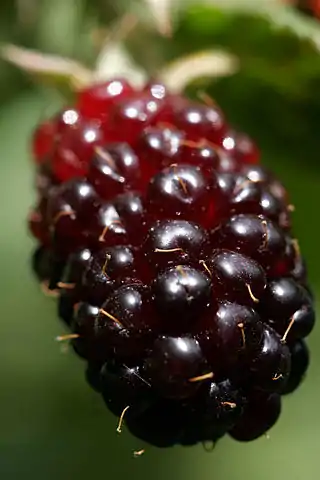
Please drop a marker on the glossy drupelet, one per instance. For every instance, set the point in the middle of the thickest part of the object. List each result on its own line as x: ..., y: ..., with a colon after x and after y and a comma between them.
x: 170, y: 249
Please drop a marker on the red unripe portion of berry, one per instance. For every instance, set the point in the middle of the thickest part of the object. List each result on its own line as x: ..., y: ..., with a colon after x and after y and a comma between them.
x: 75, y: 149
x: 43, y: 141
x: 241, y: 147
x: 96, y: 100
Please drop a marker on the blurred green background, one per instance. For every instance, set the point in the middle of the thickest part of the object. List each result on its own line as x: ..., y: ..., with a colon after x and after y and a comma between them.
x: 52, y: 425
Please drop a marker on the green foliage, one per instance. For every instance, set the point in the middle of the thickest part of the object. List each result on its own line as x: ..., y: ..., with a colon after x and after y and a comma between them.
x: 274, y: 96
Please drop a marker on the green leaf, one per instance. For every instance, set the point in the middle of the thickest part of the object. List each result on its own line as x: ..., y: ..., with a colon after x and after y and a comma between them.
x: 274, y: 95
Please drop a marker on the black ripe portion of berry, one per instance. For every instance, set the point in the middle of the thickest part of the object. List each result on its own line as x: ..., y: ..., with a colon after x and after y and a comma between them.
x: 105, y: 228
x: 66, y: 304
x: 124, y: 386
x: 93, y: 376
x: 85, y: 327
x: 114, y: 169
x: 125, y: 322
x: 212, y: 413
x: 169, y: 247
x: 103, y: 336
x: 158, y: 147
x: 76, y: 265
x: 160, y: 425
x: 131, y: 211
x: 236, y: 277
x: 173, y: 366
x: 172, y: 242
x: 68, y: 209
x: 255, y: 236
x: 299, y: 365
x: 230, y: 336
x: 253, y: 197
x: 270, y: 368
x: 71, y: 284
x: 260, y: 414
x: 181, y: 295
x: 287, y: 304
x: 181, y: 191
x: 107, y: 269
x: 48, y: 267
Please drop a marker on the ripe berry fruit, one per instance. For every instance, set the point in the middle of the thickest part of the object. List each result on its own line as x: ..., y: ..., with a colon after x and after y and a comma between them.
x: 170, y: 249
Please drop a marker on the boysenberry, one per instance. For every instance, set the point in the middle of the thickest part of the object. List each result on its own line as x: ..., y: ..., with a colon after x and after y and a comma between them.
x: 170, y: 249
